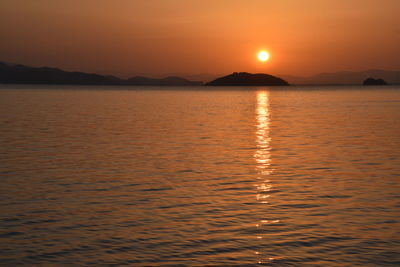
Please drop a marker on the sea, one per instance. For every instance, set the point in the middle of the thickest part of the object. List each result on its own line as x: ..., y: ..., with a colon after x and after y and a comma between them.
x: 199, y: 176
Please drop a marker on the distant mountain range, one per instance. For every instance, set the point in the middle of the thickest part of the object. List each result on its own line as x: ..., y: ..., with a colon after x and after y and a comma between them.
x: 344, y: 77
x: 205, y: 77
x: 21, y: 74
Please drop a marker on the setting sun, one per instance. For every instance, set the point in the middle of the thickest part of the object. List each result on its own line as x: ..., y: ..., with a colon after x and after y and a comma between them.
x: 263, y: 56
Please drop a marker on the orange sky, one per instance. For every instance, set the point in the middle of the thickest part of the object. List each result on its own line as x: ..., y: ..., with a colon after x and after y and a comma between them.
x: 156, y: 37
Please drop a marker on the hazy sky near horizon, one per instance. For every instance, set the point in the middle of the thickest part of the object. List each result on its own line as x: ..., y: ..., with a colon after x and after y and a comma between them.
x: 156, y: 37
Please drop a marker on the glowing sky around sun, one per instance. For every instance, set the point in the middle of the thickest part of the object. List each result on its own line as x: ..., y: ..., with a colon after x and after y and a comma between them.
x: 128, y: 37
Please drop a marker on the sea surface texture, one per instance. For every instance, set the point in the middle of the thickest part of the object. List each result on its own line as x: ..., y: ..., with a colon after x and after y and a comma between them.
x: 131, y: 176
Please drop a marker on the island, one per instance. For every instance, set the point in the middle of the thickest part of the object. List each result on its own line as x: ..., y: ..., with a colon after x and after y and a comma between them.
x: 248, y: 79
x: 372, y: 81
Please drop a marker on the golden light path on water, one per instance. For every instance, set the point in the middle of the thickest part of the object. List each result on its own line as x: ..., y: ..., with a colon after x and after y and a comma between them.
x: 263, y: 152
x: 262, y: 157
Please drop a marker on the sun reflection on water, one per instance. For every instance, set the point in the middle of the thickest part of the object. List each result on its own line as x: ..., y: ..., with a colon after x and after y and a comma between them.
x: 263, y: 139
x: 263, y: 152
x: 262, y: 156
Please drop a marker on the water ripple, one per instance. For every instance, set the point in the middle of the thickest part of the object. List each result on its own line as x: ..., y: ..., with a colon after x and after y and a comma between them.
x: 199, y: 178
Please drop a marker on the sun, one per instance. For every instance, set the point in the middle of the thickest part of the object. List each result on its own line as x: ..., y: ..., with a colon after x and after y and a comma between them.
x: 263, y: 56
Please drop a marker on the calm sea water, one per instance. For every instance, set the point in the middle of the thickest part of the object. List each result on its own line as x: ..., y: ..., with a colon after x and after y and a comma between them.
x: 109, y: 176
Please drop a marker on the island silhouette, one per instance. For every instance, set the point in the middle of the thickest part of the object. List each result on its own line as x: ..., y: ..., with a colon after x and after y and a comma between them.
x: 344, y: 77
x: 372, y: 81
x: 248, y: 79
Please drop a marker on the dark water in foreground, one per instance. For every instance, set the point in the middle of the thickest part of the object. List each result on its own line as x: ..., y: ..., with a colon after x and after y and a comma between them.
x: 192, y: 178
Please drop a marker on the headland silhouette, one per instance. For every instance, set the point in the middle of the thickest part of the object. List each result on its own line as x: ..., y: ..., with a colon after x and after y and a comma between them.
x: 21, y: 74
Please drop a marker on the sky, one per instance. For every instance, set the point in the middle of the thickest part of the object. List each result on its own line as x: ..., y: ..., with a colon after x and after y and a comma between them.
x: 160, y: 37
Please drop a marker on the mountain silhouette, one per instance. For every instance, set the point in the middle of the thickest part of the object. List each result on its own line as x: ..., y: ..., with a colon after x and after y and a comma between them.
x: 248, y: 79
x: 205, y: 77
x: 16, y: 73
x: 21, y: 74
x: 172, y: 80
